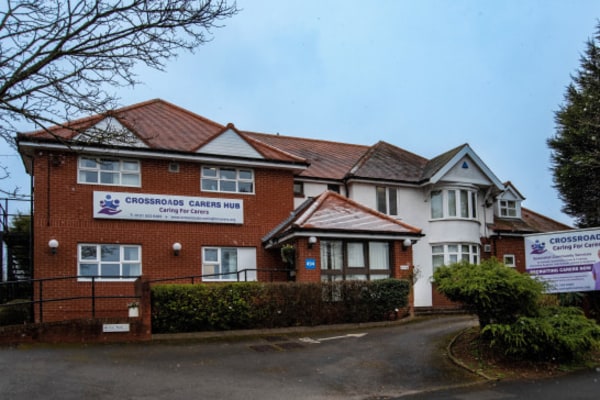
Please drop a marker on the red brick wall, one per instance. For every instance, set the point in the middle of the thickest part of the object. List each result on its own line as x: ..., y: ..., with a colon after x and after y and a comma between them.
x: 63, y: 211
x: 503, y: 245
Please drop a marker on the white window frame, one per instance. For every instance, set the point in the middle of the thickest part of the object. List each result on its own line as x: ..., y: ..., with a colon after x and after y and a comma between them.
x: 508, y: 210
x: 509, y: 260
x: 388, y: 204
x: 450, y: 253
x: 122, y: 170
x: 123, y: 260
x: 456, y: 203
x: 222, y: 179
x: 245, y: 267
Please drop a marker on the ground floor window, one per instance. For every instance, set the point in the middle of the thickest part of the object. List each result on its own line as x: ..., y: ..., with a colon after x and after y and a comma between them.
x: 450, y: 253
x: 228, y: 264
x: 354, y: 260
x: 109, y: 261
x: 509, y: 260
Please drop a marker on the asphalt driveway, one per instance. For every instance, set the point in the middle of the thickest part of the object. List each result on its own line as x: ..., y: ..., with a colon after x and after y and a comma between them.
x: 368, y: 363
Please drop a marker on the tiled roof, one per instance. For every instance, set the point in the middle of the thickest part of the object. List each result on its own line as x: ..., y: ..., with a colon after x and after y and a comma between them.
x: 388, y: 162
x: 530, y: 222
x: 163, y: 126
x: 328, y: 160
x: 436, y: 163
x: 332, y: 212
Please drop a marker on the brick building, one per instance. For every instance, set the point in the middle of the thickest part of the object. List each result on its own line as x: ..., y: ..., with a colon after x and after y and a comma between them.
x: 156, y: 191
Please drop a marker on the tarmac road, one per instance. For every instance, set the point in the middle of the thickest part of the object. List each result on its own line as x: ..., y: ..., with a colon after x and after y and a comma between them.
x: 367, y: 363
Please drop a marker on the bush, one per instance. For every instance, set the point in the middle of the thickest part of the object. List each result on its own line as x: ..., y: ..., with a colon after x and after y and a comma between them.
x: 493, y: 291
x: 558, y: 333
x: 245, y: 305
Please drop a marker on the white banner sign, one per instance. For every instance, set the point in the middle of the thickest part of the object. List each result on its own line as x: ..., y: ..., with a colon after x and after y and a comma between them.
x: 568, y: 261
x: 159, y: 207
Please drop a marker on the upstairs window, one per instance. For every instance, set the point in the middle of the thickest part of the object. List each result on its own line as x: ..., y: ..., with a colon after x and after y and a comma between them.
x: 387, y: 200
x: 299, y: 189
x: 105, y: 171
x: 454, y: 203
x: 508, y: 208
x: 226, y: 179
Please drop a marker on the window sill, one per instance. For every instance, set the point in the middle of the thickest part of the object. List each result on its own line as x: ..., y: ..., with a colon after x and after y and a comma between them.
x: 98, y: 279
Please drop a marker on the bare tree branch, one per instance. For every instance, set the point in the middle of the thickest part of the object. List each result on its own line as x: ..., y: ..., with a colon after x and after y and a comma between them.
x: 59, y: 58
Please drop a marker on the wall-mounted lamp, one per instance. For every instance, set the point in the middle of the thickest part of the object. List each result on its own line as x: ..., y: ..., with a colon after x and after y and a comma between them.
x: 176, y: 248
x: 406, y: 244
x: 311, y: 240
x: 53, y: 244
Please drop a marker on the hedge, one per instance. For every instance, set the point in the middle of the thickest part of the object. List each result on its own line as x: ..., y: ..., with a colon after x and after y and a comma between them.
x: 252, y: 305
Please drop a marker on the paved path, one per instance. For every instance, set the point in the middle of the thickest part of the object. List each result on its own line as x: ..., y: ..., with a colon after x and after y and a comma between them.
x: 374, y: 363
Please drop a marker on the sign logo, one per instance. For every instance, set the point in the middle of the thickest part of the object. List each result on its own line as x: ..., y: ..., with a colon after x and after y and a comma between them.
x: 538, y: 248
x: 109, y: 206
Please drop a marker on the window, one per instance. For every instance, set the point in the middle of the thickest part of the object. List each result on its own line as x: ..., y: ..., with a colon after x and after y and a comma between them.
x: 509, y: 260
x: 220, y: 263
x: 446, y: 254
x: 508, y: 208
x: 299, y: 189
x: 229, y: 263
x: 454, y: 203
x: 109, y: 261
x: 387, y: 200
x: 341, y: 260
x: 106, y: 171
x: 233, y: 180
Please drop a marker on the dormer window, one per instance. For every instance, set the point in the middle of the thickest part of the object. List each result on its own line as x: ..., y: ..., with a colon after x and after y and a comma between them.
x: 508, y: 208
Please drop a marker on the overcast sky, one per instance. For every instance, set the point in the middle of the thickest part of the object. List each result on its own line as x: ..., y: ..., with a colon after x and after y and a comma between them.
x: 423, y: 75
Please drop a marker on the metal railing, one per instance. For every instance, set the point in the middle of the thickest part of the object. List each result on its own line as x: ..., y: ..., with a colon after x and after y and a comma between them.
x: 212, y: 278
x: 36, y: 289
x: 38, y: 301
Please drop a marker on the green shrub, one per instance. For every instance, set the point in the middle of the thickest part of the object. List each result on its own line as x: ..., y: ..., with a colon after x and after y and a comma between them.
x: 15, y: 312
x: 189, y: 308
x: 558, y: 333
x: 493, y: 291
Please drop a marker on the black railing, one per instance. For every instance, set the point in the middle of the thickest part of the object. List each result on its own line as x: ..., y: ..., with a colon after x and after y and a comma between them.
x: 38, y: 301
x: 238, y: 276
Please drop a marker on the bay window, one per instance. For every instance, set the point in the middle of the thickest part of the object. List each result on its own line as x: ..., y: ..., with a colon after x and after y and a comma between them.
x: 453, y: 203
x: 451, y: 253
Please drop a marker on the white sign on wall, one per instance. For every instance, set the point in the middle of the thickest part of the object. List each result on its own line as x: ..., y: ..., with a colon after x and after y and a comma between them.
x: 159, y: 207
x: 569, y: 261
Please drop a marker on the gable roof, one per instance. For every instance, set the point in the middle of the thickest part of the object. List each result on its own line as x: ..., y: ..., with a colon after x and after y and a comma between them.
x: 334, y: 214
x: 161, y: 126
x: 439, y: 166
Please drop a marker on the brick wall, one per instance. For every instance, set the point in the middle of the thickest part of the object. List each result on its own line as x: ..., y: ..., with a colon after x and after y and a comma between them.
x: 63, y: 211
x: 501, y: 246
